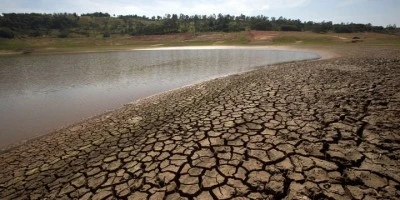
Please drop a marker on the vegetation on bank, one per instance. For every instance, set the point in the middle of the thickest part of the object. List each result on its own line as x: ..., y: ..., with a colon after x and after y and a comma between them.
x: 103, y: 25
x: 298, y: 39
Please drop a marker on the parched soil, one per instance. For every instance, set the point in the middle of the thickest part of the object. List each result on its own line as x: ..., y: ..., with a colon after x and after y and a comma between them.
x: 327, y: 129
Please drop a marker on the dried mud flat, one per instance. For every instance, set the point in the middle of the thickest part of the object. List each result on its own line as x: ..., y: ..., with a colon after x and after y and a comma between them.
x: 327, y: 129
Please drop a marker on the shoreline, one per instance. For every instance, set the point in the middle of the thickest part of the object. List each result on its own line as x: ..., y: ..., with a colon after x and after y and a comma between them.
x: 323, y: 52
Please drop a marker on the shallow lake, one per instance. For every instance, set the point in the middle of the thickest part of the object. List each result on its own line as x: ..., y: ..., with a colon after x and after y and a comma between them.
x: 39, y: 93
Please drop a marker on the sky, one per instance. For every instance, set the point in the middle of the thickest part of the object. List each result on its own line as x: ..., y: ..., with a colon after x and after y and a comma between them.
x: 376, y: 12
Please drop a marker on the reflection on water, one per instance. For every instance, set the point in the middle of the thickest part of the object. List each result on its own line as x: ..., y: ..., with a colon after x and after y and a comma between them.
x: 42, y: 92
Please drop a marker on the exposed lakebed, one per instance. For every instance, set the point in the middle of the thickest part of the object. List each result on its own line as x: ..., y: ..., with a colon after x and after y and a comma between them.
x: 39, y: 93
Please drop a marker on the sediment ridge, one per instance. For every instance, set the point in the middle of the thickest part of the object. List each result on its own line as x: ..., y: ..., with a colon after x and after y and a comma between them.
x: 327, y: 129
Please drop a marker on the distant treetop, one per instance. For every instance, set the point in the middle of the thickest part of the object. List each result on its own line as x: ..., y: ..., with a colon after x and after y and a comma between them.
x: 99, y: 23
x: 97, y: 14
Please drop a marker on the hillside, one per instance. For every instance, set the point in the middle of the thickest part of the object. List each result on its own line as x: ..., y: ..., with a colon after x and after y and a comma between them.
x: 127, y: 42
x: 99, y: 25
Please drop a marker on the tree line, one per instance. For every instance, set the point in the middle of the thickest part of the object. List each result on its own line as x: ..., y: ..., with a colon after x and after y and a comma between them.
x: 103, y: 24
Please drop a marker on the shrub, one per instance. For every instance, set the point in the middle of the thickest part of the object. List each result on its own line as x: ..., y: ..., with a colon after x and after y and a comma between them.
x: 290, y: 28
x: 6, y: 33
x: 106, y: 34
x: 63, y: 34
x: 34, y: 33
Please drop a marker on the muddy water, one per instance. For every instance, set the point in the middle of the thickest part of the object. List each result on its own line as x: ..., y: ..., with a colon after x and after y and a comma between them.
x: 39, y: 93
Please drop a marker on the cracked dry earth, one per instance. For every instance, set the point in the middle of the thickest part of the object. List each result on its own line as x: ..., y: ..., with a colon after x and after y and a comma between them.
x: 326, y: 129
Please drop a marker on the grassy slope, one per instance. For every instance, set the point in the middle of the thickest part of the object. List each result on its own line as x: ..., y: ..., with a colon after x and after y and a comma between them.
x: 300, y: 39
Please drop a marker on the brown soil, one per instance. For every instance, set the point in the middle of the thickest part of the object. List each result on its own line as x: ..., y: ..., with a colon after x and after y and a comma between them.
x: 263, y: 35
x: 185, y: 36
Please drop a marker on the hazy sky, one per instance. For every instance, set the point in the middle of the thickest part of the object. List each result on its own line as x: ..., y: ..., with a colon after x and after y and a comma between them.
x: 377, y: 12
